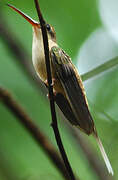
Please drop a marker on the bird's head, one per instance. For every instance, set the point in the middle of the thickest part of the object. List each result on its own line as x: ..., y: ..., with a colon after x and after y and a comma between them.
x: 36, y: 25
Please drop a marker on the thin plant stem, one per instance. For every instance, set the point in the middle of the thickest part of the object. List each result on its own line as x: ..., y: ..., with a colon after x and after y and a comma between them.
x: 102, y: 68
x: 50, y: 88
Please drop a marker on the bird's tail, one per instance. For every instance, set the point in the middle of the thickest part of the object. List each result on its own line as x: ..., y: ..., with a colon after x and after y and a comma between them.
x: 104, y: 155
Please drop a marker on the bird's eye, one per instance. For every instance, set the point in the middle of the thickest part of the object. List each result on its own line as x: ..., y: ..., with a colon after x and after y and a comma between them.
x: 48, y: 27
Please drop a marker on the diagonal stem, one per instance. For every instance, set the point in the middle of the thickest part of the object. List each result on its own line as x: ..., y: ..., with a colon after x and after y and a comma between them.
x: 50, y: 88
x: 103, y: 67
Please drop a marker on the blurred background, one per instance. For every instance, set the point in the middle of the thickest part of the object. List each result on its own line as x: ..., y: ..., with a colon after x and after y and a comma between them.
x: 88, y: 32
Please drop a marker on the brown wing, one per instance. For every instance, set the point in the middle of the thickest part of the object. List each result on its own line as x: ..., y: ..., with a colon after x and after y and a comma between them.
x: 73, y: 88
x: 65, y: 107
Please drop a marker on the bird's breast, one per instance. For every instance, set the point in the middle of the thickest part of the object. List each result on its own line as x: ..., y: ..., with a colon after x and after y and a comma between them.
x: 38, y: 59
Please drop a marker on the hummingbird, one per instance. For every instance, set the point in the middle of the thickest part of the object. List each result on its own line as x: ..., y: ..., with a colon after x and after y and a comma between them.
x: 68, y: 89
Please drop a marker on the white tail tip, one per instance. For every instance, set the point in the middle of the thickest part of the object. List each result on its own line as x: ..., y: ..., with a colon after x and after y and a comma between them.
x: 104, y: 155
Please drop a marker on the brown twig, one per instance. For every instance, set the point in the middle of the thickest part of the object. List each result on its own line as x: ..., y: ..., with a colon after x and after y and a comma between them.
x: 50, y: 88
x: 36, y: 133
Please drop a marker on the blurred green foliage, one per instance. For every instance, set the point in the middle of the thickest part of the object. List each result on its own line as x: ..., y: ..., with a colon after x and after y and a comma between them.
x: 74, y: 21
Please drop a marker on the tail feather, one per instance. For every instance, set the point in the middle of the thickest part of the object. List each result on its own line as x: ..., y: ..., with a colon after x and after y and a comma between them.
x: 104, y: 155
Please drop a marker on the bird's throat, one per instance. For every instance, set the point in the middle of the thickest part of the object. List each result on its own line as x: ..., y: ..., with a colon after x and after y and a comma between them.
x: 38, y: 56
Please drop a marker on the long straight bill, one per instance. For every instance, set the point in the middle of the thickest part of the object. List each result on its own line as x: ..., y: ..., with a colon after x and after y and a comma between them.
x: 29, y: 19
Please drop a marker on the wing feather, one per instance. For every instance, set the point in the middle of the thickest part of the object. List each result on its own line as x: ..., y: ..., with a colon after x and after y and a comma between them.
x: 73, y: 88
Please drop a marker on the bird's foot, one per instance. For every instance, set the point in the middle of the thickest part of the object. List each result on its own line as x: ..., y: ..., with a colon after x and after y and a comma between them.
x: 53, y: 81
